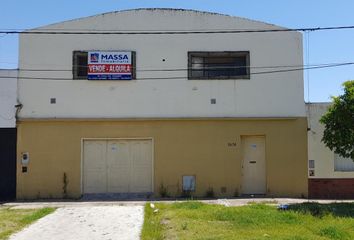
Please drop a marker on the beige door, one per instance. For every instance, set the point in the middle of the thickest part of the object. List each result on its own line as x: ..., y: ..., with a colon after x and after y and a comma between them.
x: 253, y: 165
x: 125, y: 166
x: 118, y: 166
x: 94, y: 167
x: 141, y: 166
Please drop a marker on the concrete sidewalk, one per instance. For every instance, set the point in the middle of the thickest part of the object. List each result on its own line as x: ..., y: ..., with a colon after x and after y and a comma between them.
x: 226, y: 202
x: 83, y: 223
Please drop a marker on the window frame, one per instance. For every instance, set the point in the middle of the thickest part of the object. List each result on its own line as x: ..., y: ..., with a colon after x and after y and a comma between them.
x: 192, y: 54
x: 75, y: 65
x: 75, y: 71
x: 342, y: 164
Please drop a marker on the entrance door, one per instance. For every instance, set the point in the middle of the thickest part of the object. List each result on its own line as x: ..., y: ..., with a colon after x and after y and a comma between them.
x: 253, y: 165
x: 117, y: 166
x: 7, y: 164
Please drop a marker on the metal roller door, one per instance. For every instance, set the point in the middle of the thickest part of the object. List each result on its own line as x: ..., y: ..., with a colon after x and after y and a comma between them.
x: 117, y: 166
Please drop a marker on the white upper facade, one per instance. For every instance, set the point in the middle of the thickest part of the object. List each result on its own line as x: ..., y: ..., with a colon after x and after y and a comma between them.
x: 8, y: 87
x: 163, y: 94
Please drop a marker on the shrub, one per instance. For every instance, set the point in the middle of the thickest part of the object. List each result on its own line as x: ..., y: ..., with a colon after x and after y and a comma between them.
x: 163, y: 191
x: 210, y: 193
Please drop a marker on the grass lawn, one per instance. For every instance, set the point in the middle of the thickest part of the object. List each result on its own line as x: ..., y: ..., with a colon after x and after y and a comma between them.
x: 195, y: 220
x: 13, y: 220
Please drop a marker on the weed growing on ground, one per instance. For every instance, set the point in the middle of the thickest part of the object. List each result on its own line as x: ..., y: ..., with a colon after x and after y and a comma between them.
x: 196, y: 220
x: 13, y: 220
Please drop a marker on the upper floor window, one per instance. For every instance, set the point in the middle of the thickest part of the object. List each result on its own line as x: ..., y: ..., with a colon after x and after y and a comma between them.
x: 79, y: 65
x: 218, y: 65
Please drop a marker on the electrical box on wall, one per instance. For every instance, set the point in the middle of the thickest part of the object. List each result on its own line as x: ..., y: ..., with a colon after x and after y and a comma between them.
x: 311, y: 164
x: 311, y: 168
x: 188, y: 183
x: 24, y: 158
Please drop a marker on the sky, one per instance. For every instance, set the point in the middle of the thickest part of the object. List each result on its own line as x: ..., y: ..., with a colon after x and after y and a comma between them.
x: 324, y: 47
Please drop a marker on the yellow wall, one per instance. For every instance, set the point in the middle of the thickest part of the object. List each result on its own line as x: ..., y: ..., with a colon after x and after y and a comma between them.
x: 181, y: 147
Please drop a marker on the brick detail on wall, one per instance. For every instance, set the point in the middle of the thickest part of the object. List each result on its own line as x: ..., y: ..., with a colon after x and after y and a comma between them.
x: 331, y: 188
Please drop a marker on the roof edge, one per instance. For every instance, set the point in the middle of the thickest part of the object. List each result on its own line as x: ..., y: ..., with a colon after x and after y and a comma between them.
x: 157, y: 9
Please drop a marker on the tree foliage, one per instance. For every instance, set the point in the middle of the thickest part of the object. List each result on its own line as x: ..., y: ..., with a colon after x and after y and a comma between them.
x: 339, y: 123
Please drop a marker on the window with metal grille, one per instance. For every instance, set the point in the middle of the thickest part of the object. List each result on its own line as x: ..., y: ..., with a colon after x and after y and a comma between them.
x: 79, y: 65
x: 219, y: 65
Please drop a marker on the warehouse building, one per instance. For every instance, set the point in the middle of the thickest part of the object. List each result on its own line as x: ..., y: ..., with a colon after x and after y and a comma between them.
x: 160, y: 114
x: 330, y: 175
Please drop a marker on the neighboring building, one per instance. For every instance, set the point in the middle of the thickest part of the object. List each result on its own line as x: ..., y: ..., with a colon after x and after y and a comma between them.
x: 194, y: 115
x: 8, y: 86
x: 330, y: 176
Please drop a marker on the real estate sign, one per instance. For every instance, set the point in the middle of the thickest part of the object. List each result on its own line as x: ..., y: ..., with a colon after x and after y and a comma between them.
x: 109, y: 65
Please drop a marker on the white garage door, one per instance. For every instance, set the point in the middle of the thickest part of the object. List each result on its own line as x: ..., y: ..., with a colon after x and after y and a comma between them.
x: 117, y: 166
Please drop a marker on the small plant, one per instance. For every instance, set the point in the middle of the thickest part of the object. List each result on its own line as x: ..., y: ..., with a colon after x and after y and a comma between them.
x: 163, y: 191
x: 236, y: 194
x: 186, y: 194
x: 332, y: 233
x: 178, y: 191
x: 65, y: 185
x: 184, y: 226
x: 210, y: 193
